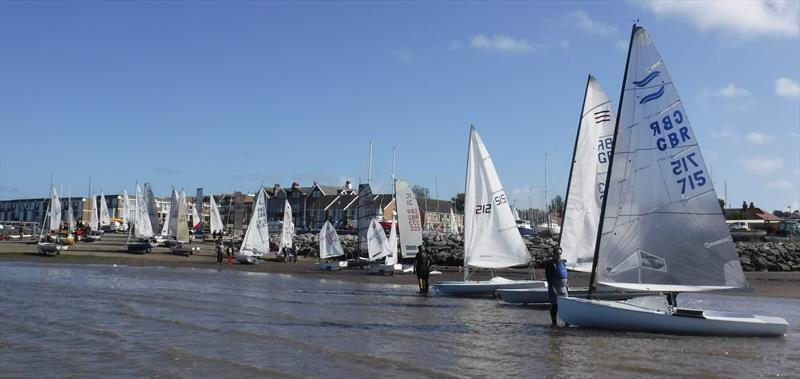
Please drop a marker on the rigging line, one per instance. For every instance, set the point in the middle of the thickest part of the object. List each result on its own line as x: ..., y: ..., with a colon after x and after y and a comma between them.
x: 670, y: 106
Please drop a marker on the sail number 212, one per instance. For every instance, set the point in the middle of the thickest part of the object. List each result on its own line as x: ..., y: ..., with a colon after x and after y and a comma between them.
x: 682, y: 169
x: 487, y: 208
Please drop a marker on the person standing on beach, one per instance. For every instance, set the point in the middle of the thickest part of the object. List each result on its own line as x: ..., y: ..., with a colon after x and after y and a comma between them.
x: 555, y: 270
x: 229, y: 250
x: 219, y: 254
x: 422, y: 266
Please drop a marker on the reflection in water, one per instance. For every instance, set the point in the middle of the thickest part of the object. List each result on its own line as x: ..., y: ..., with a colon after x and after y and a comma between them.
x: 60, y: 320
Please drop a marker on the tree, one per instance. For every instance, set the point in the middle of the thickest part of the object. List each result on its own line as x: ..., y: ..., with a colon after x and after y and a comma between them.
x: 420, y: 191
x: 458, y: 201
x: 557, y: 205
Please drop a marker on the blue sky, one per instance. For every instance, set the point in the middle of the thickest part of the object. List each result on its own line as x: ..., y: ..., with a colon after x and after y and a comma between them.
x: 230, y: 95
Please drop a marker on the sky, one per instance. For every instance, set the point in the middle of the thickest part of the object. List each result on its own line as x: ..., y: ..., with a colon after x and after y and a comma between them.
x: 231, y: 95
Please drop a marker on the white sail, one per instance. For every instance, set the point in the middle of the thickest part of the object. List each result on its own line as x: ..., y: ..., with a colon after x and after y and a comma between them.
x: 170, y: 227
x: 182, y: 229
x: 94, y: 221
x: 366, y: 213
x: 377, y: 245
x: 515, y: 213
x: 126, y: 211
x: 662, y: 223
x: 105, y: 217
x: 143, y: 227
x: 329, y: 244
x: 453, y: 224
x: 152, y: 209
x: 587, y: 181
x: 216, y: 220
x: 70, y: 216
x: 256, y: 237
x: 287, y: 230
x: 197, y: 210
x: 491, y: 239
x: 55, y: 211
x: 391, y: 259
x: 409, y: 218
x: 195, y: 218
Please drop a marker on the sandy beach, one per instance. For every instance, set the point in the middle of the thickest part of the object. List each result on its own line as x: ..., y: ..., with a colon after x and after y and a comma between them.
x: 111, y: 250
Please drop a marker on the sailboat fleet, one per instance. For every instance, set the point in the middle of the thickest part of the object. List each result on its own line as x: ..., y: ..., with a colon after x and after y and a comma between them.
x: 643, y: 220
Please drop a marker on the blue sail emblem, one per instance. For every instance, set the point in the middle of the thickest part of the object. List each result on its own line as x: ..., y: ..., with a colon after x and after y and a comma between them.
x: 652, y: 96
x: 647, y: 79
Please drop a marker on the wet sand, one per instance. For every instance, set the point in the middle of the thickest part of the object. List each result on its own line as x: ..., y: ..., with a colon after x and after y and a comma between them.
x: 112, y: 250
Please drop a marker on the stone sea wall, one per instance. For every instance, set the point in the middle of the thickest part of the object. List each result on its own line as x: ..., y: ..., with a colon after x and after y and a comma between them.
x: 449, y: 250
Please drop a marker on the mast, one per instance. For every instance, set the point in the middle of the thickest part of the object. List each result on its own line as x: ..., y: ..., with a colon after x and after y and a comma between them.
x: 369, y: 172
x: 546, y: 205
x: 610, y: 166
x: 574, y: 151
x: 466, y: 173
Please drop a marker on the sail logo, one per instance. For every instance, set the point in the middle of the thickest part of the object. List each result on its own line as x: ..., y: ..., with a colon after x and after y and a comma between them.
x: 645, y: 81
x: 602, y: 116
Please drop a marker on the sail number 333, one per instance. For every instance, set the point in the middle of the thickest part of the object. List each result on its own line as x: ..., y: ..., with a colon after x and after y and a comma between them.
x: 487, y: 208
x: 684, y: 169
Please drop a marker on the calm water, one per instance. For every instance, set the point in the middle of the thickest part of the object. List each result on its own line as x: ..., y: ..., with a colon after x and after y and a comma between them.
x: 88, y: 321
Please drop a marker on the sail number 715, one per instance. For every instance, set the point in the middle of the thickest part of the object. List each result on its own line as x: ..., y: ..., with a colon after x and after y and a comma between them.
x: 684, y: 169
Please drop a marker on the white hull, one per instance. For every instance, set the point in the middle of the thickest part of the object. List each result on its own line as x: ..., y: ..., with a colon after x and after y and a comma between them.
x: 623, y: 316
x: 486, y: 287
x: 539, y: 295
x: 329, y: 266
x: 248, y: 256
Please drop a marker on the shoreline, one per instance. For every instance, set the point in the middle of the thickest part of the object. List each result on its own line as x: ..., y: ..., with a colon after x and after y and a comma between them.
x: 111, y: 250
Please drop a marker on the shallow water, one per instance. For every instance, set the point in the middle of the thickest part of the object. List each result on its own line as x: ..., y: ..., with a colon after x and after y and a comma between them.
x: 99, y: 321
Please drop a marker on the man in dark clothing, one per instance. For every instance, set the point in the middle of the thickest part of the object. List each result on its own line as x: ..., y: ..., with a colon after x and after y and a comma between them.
x: 555, y: 271
x: 422, y: 266
x: 219, y: 254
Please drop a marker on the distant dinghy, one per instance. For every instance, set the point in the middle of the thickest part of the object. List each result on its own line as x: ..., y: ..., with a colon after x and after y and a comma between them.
x: 256, y: 238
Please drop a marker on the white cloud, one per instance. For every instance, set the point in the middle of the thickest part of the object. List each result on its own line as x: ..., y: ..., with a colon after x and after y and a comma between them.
x: 732, y: 91
x: 757, y: 138
x: 761, y: 165
x: 499, y: 42
x: 787, y: 88
x: 583, y: 21
x: 723, y: 133
x: 746, y: 19
x: 780, y: 184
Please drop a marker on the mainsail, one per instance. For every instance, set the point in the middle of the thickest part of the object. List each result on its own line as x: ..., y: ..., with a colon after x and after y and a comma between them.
x: 126, y: 211
x: 391, y: 259
x: 587, y: 178
x: 182, y: 231
x: 55, y: 210
x: 94, y: 222
x: 287, y: 230
x: 197, y: 215
x: 105, y: 217
x: 409, y: 218
x: 256, y: 237
x: 216, y: 220
x: 171, y: 221
x: 662, y: 226
x: 377, y: 245
x: 152, y: 209
x: 491, y: 239
x: 329, y: 244
x: 366, y: 213
x: 70, y: 215
x: 453, y: 224
x: 143, y: 228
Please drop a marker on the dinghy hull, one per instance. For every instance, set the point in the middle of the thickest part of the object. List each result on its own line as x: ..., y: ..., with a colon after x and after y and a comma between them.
x: 49, y: 248
x: 627, y: 317
x: 539, y: 295
x: 484, y: 288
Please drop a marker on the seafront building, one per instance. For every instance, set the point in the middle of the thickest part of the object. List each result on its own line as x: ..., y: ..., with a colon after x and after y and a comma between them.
x: 311, y: 207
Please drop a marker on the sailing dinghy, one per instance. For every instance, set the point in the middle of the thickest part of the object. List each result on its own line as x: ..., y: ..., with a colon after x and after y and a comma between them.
x: 329, y: 247
x: 584, y: 199
x: 53, y: 216
x: 491, y: 239
x: 256, y: 238
x: 142, y: 230
x: 216, y: 220
x: 661, y: 227
x: 378, y: 248
x: 181, y: 229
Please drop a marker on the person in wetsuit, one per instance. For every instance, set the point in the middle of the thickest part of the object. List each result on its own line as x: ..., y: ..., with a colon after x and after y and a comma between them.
x: 555, y: 271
